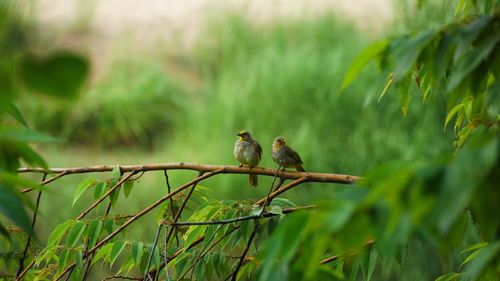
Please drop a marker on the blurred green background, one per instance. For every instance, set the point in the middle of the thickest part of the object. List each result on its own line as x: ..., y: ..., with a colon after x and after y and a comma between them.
x: 169, y: 102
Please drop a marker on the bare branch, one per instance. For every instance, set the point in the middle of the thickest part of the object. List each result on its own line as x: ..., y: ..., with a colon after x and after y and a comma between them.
x: 313, y: 177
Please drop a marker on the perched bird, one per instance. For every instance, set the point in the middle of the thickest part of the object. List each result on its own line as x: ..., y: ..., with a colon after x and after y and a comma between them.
x: 248, y: 152
x: 285, y: 156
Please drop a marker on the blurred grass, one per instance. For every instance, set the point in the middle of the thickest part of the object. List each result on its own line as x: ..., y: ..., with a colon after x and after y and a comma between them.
x: 279, y: 78
x: 134, y: 104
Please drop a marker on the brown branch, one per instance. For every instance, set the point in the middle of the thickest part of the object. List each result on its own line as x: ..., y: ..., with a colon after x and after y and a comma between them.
x: 234, y: 275
x: 44, y: 182
x: 179, y: 212
x: 139, y: 215
x: 121, y: 277
x: 336, y: 257
x: 33, y: 222
x: 313, y: 177
x: 113, y: 188
x: 282, y: 189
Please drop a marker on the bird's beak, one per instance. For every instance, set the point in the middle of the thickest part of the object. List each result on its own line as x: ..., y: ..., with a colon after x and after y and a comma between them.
x: 238, y: 134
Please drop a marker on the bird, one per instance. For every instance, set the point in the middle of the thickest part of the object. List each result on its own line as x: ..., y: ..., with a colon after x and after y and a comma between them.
x: 285, y: 156
x: 248, y: 152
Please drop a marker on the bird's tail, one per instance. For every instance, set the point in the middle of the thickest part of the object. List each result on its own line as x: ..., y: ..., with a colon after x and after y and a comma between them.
x: 300, y: 168
x: 252, y: 179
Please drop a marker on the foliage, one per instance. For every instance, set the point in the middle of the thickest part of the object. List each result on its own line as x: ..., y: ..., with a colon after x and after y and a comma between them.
x: 57, y: 74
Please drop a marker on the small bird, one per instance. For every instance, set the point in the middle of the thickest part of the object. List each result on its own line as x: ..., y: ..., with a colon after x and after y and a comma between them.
x: 248, y: 152
x: 285, y: 156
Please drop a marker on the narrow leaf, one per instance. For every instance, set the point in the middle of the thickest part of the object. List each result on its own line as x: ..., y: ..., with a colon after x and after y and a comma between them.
x: 82, y: 187
x: 75, y: 233
x: 59, y: 232
x: 94, y: 231
x: 362, y: 60
x: 102, y: 253
x: 137, y: 249
x: 118, y: 247
x: 127, y: 188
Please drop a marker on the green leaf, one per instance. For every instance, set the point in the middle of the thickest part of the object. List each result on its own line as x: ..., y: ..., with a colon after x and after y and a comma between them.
x: 487, y: 256
x: 390, y: 80
x: 24, y: 135
x: 118, y: 247
x: 470, y: 60
x: 47, y: 254
x: 59, y: 232
x: 82, y: 187
x: 75, y: 233
x: 63, y: 258
x: 193, y: 233
x: 12, y: 207
x: 371, y: 265
x: 30, y: 156
x: 362, y: 60
x: 127, y: 187
x: 116, y: 172
x: 16, y: 114
x: 452, y: 113
x: 276, y: 210
x: 79, y: 260
x: 60, y: 74
x: 283, y: 203
x: 94, y: 231
x: 137, y: 250
x: 449, y: 277
x: 407, y: 51
x: 474, y: 247
x: 102, y: 253
x: 99, y: 189
x: 113, y: 196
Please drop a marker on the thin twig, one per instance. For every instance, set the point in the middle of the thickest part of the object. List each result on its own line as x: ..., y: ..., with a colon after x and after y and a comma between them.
x: 336, y: 257
x: 201, y: 252
x: 139, y: 215
x: 209, y: 248
x: 243, y: 218
x: 121, y: 277
x: 98, y: 201
x: 21, y: 261
x: 147, y: 276
x: 169, y: 189
x: 166, y: 253
x: 179, y: 212
x: 282, y: 189
x: 44, y: 182
x: 313, y: 177
x: 234, y: 275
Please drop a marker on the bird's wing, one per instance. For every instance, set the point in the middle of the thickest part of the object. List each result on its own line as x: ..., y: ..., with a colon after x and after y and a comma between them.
x: 294, y: 155
x: 259, y: 149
